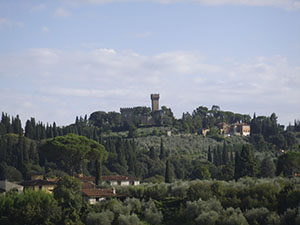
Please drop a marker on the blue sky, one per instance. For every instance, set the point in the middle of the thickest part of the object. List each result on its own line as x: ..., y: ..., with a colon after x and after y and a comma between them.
x: 63, y: 58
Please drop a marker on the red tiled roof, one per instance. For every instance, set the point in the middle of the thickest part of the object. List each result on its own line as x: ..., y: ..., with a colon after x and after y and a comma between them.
x: 119, y: 178
x: 110, y: 178
x: 88, y: 185
x: 98, y: 192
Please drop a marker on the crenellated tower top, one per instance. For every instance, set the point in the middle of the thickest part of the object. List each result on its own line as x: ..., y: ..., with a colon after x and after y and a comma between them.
x: 155, y: 102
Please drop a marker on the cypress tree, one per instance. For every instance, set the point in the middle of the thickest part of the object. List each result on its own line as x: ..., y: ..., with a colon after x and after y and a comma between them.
x: 33, y: 126
x: 162, y: 154
x: 169, y: 173
x: 219, y: 152
x: 209, y: 157
x: 237, y: 166
x: 245, y: 163
x: 98, y: 172
x: 20, y: 154
x: 17, y: 126
x: 231, y: 156
x: 55, y: 133
x: 29, y: 130
x: 6, y: 121
x: 33, y: 155
x: 224, y: 154
x: 215, y: 159
x: 3, y: 149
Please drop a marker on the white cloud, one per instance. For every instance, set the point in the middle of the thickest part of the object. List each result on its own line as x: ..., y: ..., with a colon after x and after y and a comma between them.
x: 83, y: 81
x: 286, y: 4
x: 45, y: 29
x: 5, y: 23
x: 38, y: 8
x: 143, y: 34
x: 62, y: 13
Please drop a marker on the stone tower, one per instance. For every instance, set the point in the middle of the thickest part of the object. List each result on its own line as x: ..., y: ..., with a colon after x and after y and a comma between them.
x: 154, y: 99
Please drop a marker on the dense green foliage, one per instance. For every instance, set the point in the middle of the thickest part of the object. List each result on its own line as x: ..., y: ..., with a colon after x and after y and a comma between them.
x: 190, y: 156
x: 71, y: 150
x: 248, y: 201
x: 192, y: 179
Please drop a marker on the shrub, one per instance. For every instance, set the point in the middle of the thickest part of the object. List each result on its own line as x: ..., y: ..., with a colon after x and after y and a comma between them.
x: 233, y: 217
x: 128, y: 220
x: 103, y: 218
x: 210, y: 218
x: 153, y: 217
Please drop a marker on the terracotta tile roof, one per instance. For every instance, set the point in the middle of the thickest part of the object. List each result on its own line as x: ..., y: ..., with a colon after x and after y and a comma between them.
x: 110, y: 178
x: 119, y: 178
x: 98, y: 192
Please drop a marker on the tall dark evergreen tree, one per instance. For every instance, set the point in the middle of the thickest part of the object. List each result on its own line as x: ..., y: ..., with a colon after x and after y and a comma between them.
x: 237, y: 173
x: 55, y: 132
x: 29, y: 130
x: 17, y: 125
x: 245, y: 163
x: 231, y: 157
x: 33, y: 155
x: 209, y: 157
x: 162, y: 154
x: 215, y: 159
x: 20, y: 154
x: 98, y: 172
x: 169, y: 173
x: 224, y: 154
x: 6, y: 121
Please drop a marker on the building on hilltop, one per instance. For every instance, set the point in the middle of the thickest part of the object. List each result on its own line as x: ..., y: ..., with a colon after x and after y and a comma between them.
x: 142, y: 115
x: 235, y: 129
x: 242, y: 129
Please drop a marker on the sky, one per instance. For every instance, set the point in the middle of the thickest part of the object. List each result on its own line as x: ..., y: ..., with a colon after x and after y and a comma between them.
x: 65, y: 58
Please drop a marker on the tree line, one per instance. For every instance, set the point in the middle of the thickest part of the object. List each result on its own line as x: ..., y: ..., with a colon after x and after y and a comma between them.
x: 245, y: 202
